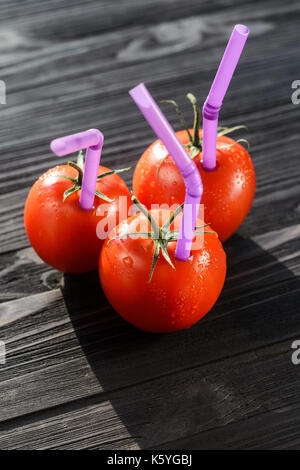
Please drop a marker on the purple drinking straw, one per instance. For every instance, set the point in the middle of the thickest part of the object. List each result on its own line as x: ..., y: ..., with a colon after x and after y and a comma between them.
x: 187, y: 167
x: 92, y: 141
x: 217, y: 92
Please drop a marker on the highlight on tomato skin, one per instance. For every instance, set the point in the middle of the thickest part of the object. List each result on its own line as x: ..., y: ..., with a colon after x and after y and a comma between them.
x: 174, y: 299
x: 61, y: 233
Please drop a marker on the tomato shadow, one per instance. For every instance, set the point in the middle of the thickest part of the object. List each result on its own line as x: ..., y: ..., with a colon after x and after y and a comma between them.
x: 157, y: 385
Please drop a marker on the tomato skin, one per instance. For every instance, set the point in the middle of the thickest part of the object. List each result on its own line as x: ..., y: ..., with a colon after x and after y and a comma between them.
x: 61, y: 233
x: 174, y: 299
x: 228, y: 190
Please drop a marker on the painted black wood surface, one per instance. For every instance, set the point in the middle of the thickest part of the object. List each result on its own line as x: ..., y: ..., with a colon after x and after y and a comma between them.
x: 77, y: 376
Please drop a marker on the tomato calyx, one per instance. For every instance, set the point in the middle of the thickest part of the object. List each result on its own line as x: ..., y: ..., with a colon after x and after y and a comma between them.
x: 160, y: 236
x: 195, y: 145
x: 228, y: 130
x: 195, y: 142
x: 77, y: 182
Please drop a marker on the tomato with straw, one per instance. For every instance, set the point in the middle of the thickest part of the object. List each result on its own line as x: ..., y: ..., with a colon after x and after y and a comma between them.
x: 68, y: 203
x: 145, y: 282
x: 156, y: 276
x: 228, y: 189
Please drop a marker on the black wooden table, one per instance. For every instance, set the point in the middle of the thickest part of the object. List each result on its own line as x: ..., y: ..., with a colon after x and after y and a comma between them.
x: 76, y: 375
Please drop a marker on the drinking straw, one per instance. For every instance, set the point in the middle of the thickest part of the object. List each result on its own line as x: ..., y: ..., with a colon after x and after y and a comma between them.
x: 217, y: 92
x: 187, y: 167
x: 92, y: 140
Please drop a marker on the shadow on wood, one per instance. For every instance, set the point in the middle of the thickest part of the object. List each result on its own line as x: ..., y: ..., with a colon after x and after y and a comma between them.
x: 175, y: 386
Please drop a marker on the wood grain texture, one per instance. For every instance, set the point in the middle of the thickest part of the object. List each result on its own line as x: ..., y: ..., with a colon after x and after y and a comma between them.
x: 77, y: 376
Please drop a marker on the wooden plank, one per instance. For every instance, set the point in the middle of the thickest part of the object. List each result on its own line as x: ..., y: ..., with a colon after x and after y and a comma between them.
x: 278, y: 429
x: 82, y: 346
x: 75, y: 95
x: 77, y: 376
x: 198, y: 400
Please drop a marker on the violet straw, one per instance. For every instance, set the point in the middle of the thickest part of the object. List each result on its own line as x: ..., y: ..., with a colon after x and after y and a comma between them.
x: 217, y: 92
x: 92, y: 140
x: 187, y: 167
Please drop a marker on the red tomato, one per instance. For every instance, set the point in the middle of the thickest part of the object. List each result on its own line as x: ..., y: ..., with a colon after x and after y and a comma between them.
x: 228, y: 190
x: 63, y: 234
x: 175, y: 298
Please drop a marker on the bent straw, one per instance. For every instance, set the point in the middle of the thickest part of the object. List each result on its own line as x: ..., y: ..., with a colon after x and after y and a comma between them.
x: 187, y: 167
x: 92, y: 140
x: 217, y: 92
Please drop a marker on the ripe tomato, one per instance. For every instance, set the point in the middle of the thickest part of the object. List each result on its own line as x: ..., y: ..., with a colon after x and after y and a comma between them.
x: 63, y: 234
x: 228, y: 190
x: 174, y: 299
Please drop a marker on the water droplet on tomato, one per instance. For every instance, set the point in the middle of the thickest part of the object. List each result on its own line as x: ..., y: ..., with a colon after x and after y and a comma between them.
x: 128, y: 261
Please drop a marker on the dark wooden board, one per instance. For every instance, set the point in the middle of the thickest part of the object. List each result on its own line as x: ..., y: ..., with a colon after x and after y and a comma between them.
x: 77, y: 376
x: 196, y: 400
